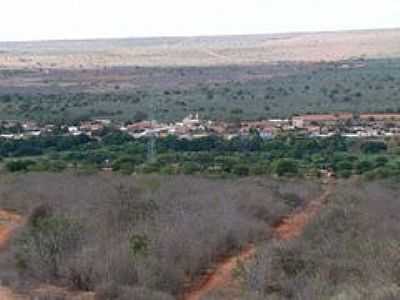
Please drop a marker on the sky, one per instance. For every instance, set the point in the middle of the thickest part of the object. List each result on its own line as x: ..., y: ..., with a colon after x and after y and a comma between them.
x: 80, y: 19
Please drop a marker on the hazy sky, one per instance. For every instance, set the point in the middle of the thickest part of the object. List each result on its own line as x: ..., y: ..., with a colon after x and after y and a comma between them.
x: 75, y: 19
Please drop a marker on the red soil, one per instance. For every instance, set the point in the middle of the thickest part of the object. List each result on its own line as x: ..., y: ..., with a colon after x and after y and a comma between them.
x: 8, y: 223
x: 222, y: 274
x: 292, y: 226
x: 288, y: 228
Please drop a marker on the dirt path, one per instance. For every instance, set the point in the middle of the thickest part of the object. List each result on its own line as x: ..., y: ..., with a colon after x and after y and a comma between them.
x: 292, y: 226
x: 8, y: 223
x: 288, y: 228
x: 218, y: 278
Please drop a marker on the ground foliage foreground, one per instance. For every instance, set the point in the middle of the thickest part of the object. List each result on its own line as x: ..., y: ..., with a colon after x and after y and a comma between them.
x: 125, y: 236
x: 351, y: 251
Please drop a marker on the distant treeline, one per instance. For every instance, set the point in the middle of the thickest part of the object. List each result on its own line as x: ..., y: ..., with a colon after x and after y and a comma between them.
x: 293, y: 155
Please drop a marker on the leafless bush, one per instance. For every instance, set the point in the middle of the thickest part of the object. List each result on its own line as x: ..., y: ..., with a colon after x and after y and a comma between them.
x: 350, y: 251
x: 156, y: 232
x: 112, y: 291
x: 49, y: 294
x: 45, y: 245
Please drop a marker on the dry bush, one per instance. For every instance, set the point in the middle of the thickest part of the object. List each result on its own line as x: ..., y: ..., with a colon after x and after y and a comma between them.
x: 50, y: 295
x: 153, y: 232
x: 351, y: 251
x: 112, y: 291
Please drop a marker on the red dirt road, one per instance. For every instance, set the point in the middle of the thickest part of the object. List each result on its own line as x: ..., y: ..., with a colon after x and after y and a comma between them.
x: 292, y: 226
x: 222, y: 274
x: 8, y: 223
x: 288, y: 228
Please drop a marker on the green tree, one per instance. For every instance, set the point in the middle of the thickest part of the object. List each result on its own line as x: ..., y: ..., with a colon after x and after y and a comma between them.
x: 381, y: 161
x: 241, y: 170
x: 373, y: 147
x: 364, y: 166
x: 19, y: 165
x: 285, y: 167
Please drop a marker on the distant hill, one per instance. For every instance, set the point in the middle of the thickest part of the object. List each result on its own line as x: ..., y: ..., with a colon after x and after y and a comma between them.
x: 202, y: 51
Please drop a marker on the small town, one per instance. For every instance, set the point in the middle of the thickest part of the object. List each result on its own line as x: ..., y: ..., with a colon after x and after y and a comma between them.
x: 346, y: 124
x: 192, y: 150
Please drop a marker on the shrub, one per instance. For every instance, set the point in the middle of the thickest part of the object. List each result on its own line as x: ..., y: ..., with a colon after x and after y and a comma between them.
x: 344, y: 166
x: 46, y: 244
x: 49, y: 295
x: 19, y: 165
x: 382, y: 173
x: 345, y: 253
x: 241, y: 170
x: 344, y: 173
x: 115, y: 292
x: 285, y: 167
x: 381, y: 161
x: 373, y: 147
x: 140, y: 231
x: 190, y: 168
x: 126, y: 164
x: 259, y: 169
x: 364, y: 166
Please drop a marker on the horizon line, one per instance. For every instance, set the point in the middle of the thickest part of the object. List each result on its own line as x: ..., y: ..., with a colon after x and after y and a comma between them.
x: 300, y: 32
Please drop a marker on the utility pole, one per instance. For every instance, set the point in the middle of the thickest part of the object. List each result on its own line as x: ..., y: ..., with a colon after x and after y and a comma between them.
x: 151, y: 144
x: 151, y: 149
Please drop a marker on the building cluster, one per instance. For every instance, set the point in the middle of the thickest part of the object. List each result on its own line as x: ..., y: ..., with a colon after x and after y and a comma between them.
x: 349, y: 124
x: 191, y: 127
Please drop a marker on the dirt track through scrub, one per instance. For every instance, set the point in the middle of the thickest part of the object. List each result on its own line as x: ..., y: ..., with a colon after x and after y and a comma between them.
x: 8, y: 223
x: 288, y: 228
x: 222, y: 275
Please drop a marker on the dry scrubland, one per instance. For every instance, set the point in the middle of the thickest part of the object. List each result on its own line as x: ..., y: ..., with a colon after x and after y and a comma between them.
x: 202, y: 51
x: 146, y: 237
x: 237, y: 77
x: 135, y: 237
x: 351, y: 251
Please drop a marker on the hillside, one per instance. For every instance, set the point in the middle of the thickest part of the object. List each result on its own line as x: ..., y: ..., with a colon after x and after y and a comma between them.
x: 202, y: 51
